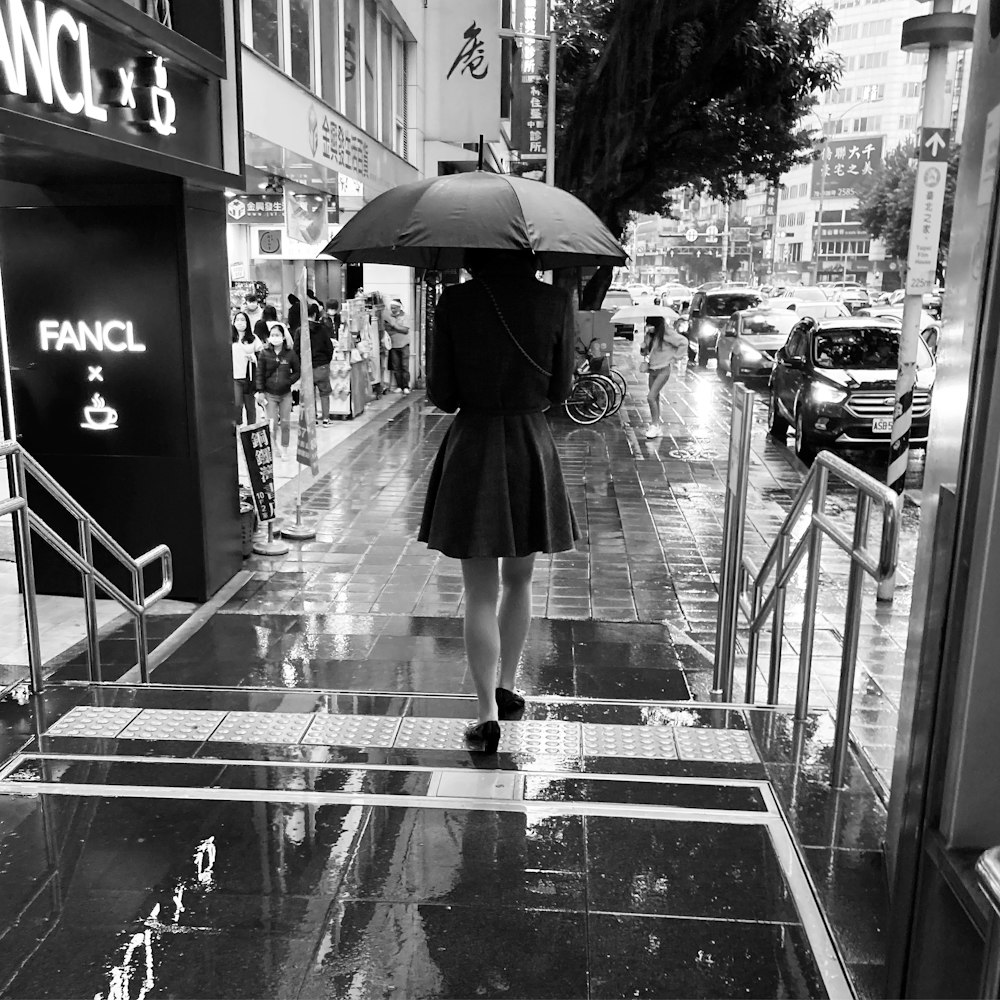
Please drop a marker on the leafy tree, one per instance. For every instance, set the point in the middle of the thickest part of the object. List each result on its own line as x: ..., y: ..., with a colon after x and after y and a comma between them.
x: 656, y: 94
x: 886, y: 208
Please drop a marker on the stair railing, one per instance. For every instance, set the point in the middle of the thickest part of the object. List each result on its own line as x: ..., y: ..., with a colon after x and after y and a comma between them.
x: 89, y: 534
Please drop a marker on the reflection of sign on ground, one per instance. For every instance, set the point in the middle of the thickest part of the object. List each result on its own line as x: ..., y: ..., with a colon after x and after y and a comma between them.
x: 848, y: 165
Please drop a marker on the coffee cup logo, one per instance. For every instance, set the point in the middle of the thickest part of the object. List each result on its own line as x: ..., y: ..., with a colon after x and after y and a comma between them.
x: 98, y: 416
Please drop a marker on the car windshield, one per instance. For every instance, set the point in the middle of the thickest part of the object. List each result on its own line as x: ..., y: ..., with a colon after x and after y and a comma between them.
x: 726, y: 305
x: 769, y: 324
x: 807, y: 294
x: 867, y: 347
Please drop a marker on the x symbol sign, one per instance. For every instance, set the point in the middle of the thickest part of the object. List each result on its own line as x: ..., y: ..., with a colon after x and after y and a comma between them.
x: 94, y: 373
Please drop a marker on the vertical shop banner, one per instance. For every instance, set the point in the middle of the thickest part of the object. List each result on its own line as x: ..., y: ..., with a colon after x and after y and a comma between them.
x: 529, y: 97
x: 306, y: 447
x: 256, y: 443
x: 463, y: 81
x: 306, y: 218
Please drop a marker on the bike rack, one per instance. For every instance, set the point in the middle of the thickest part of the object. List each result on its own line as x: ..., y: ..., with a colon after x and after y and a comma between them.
x: 742, y: 585
x: 88, y: 532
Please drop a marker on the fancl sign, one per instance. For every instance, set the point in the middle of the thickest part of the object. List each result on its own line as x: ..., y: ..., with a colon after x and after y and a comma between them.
x: 45, y: 58
x: 108, y: 335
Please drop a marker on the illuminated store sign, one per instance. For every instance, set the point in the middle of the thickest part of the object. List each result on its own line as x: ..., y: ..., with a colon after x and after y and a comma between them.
x: 110, y: 335
x: 45, y: 58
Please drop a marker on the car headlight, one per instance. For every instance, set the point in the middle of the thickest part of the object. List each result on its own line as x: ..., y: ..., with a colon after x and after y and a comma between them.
x: 823, y: 393
x: 750, y: 354
x: 707, y: 330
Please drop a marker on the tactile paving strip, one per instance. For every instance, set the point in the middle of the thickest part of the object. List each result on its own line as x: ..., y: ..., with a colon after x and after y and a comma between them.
x: 629, y: 741
x: 729, y: 745
x: 432, y: 734
x: 263, y: 727
x: 88, y: 720
x: 546, y: 738
x: 352, y: 731
x: 172, y: 724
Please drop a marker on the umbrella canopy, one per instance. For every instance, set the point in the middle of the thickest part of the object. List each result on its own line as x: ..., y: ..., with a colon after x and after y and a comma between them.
x: 638, y: 314
x: 433, y: 222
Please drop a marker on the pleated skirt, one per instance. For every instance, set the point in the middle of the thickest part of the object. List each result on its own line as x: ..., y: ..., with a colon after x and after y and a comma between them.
x: 497, y: 490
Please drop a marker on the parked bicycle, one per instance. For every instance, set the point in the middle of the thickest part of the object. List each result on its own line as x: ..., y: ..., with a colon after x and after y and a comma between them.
x: 594, y: 395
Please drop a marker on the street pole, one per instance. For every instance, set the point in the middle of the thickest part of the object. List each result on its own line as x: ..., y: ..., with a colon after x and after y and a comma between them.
x: 819, y: 214
x: 725, y: 247
x: 934, y: 32
x: 774, y: 233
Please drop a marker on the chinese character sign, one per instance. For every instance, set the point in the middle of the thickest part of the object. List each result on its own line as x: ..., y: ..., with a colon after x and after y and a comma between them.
x: 529, y: 81
x: 463, y: 89
x: 847, y: 166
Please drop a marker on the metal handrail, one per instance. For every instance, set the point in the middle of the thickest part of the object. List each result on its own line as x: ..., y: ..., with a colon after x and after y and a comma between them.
x: 88, y: 531
x: 782, y: 562
x: 988, y: 873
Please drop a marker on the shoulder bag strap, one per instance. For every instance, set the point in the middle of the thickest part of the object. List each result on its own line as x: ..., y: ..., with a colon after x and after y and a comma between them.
x: 534, y: 364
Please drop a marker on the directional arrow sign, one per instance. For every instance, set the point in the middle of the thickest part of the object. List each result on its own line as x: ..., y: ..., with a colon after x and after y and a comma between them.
x: 934, y: 144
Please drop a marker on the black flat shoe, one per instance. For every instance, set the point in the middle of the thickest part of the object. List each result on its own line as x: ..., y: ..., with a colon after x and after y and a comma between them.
x: 509, y: 703
x: 487, y: 733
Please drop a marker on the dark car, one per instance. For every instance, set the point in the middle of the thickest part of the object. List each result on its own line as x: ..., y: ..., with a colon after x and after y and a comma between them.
x: 707, y: 315
x: 834, y: 382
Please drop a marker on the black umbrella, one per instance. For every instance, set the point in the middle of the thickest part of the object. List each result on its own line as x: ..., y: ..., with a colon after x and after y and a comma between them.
x: 432, y: 223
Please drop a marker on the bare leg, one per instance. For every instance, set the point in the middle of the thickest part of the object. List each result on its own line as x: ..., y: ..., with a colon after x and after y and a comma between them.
x: 515, y: 615
x: 482, y: 633
x: 657, y: 380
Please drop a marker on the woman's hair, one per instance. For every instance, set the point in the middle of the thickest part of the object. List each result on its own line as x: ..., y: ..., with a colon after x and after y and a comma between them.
x: 247, y: 335
x: 270, y: 313
x: 659, y: 325
x: 479, y: 261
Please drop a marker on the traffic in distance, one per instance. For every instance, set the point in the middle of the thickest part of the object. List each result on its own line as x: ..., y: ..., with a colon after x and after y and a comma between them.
x: 825, y: 355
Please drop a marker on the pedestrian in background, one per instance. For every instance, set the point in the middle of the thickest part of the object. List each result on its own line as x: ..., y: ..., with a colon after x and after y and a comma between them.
x: 245, y: 348
x: 277, y: 370
x: 399, y: 346
x: 661, y: 348
x: 321, y: 354
x: 253, y: 307
x: 268, y: 318
x: 496, y: 495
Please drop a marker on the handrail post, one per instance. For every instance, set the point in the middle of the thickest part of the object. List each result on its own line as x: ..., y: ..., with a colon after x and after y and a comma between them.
x: 90, y: 599
x: 753, y: 646
x: 740, y: 436
x: 141, y: 644
x: 988, y: 873
x: 777, y: 620
x: 29, y: 595
x: 811, y: 596
x: 849, y: 652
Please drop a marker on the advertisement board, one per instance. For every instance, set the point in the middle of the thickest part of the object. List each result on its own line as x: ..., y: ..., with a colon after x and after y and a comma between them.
x: 95, y: 352
x: 529, y: 98
x: 846, y: 167
x: 256, y: 443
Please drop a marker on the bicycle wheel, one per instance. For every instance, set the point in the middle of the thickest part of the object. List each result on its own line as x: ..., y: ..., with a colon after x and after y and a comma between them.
x: 615, y: 397
x: 619, y: 380
x: 588, y: 401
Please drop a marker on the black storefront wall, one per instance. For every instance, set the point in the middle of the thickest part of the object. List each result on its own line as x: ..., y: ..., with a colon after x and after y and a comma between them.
x: 116, y: 303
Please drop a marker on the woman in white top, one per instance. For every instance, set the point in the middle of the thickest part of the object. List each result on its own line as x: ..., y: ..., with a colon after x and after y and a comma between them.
x: 661, y: 347
x: 245, y: 347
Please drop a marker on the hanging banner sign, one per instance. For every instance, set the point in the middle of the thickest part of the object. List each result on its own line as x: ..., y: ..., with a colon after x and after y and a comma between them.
x: 847, y: 167
x: 306, y: 217
x: 306, y: 446
x: 463, y: 46
x: 256, y: 443
x: 530, y: 90
x: 265, y: 209
x: 928, y: 208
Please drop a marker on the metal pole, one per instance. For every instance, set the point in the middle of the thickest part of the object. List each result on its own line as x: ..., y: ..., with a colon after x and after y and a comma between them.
x: 550, y: 146
x: 774, y: 233
x: 935, y: 116
x: 29, y: 597
x: 819, y: 214
x: 849, y: 652
x: 815, y: 553
x: 753, y: 644
x: 778, y: 621
x: 90, y: 600
x: 725, y: 246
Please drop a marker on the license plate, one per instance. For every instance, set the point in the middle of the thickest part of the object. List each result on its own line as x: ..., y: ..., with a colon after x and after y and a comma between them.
x: 883, y: 425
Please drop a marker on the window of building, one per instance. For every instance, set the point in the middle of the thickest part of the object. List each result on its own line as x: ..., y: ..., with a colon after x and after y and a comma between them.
x: 329, y: 35
x: 371, y: 67
x: 385, y: 57
x: 401, y: 143
x: 916, y: 58
x: 352, y: 55
x: 907, y: 123
x: 266, y: 29
x: 845, y: 33
x: 912, y: 88
x: 300, y: 30
x: 875, y: 92
x: 873, y: 60
x: 870, y: 29
x: 871, y: 123
x: 782, y: 221
x: 794, y: 251
x: 800, y: 219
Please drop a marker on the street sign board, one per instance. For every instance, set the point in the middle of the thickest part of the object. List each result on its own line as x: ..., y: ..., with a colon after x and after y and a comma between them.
x: 846, y: 167
x: 928, y: 206
x: 691, y: 235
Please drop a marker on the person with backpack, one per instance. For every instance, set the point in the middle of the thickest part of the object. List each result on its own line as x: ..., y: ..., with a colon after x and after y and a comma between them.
x: 277, y: 370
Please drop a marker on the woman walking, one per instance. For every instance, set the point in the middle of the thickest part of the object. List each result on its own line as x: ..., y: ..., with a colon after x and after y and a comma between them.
x: 245, y: 347
x: 277, y: 370
x: 497, y: 495
x: 661, y: 348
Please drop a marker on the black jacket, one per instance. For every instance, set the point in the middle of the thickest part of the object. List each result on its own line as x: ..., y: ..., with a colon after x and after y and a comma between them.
x: 320, y: 344
x: 277, y: 372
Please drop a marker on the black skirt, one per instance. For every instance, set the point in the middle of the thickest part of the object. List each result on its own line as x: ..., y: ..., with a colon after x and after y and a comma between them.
x: 497, y: 489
